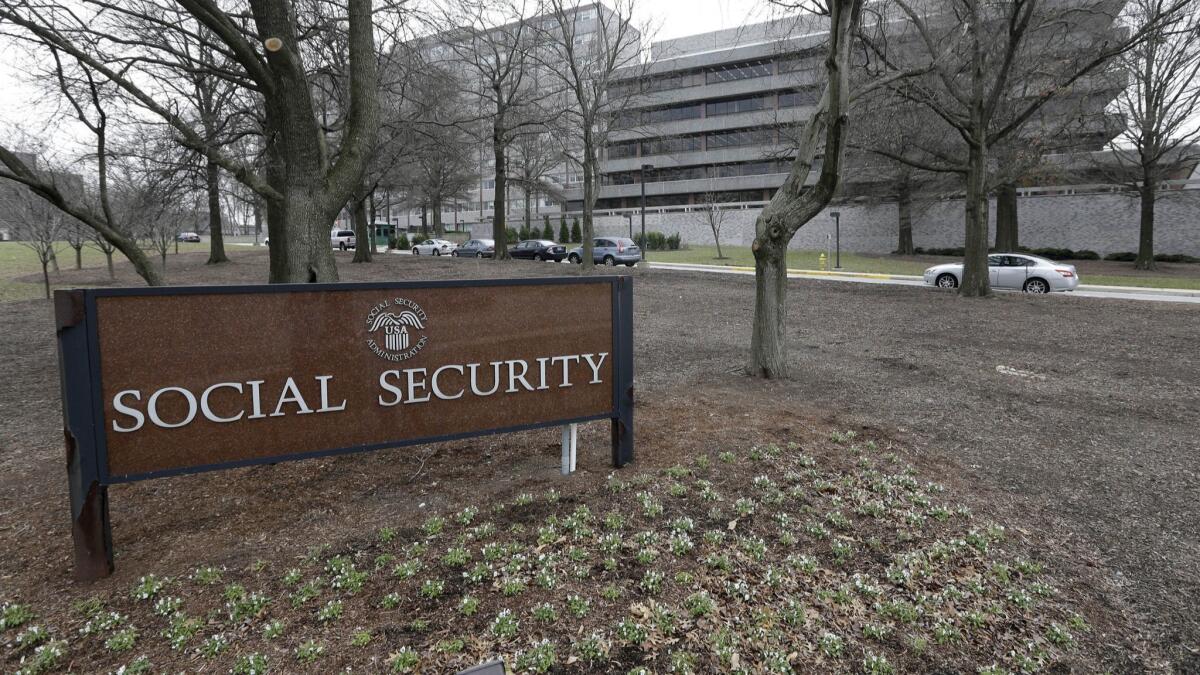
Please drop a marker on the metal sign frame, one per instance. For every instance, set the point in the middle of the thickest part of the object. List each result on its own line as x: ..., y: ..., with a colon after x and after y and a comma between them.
x: 84, y: 423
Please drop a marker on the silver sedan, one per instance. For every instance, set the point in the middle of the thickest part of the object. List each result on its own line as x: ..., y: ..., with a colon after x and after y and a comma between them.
x: 1013, y: 271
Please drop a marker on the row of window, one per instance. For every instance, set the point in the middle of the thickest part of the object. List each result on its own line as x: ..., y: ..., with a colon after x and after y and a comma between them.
x: 689, y: 111
x: 729, y: 72
x: 733, y: 138
x: 670, y: 174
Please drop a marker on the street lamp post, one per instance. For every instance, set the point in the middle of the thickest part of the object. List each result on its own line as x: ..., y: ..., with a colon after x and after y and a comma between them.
x: 629, y: 221
x: 837, y: 228
x: 645, y: 168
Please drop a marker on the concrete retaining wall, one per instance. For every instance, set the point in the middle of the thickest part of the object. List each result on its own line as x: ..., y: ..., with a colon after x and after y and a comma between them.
x: 1104, y: 222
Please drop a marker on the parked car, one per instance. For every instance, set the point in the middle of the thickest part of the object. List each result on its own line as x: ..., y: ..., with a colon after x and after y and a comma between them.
x: 188, y: 236
x: 538, y: 249
x: 343, y: 239
x: 1015, y: 271
x: 435, y: 247
x: 610, y: 251
x: 476, y: 248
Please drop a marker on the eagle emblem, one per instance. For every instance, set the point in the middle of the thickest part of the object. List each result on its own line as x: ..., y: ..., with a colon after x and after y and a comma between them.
x: 401, y: 321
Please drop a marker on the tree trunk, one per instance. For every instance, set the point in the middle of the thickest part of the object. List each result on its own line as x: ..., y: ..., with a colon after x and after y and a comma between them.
x: 768, y: 341
x: 216, y: 236
x: 258, y: 217
x: 716, y: 230
x: 78, y: 257
x: 1006, y: 218
x: 975, y: 279
x: 528, y: 213
x: 904, y: 244
x: 439, y: 229
x: 499, y: 207
x: 424, y: 221
x: 589, y: 199
x: 54, y: 261
x: 46, y: 276
x: 108, y: 259
x: 298, y: 227
x: 362, y: 235
x: 1145, y: 256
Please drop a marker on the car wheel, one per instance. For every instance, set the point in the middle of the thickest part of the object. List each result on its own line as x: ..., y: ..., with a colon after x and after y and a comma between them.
x: 541, y: 257
x: 947, y: 281
x: 437, y: 251
x: 629, y: 264
x: 453, y: 254
x: 575, y: 259
x: 609, y: 261
x: 1038, y: 286
x: 416, y: 251
x: 342, y: 246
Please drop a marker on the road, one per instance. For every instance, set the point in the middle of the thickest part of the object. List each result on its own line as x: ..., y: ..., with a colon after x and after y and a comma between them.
x: 1084, y: 290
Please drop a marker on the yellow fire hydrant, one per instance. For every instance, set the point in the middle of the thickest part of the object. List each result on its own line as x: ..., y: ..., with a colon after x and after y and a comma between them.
x: 823, y: 263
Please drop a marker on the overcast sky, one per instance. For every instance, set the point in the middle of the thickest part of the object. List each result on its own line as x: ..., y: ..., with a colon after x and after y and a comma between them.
x: 676, y: 18
x: 667, y: 18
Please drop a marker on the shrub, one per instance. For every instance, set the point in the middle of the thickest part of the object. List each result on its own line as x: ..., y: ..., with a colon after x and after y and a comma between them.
x: 958, y: 252
x: 657, y: 241
x: 564, y: 235
x: 576, y: 234
x: 1061, y: 253
x: 674, y: 242
x: 1176, y: 258
x: 511, y: 235
x: 523, y: 233
x: 547, y: 228
x: 402, y: 242
x: 1121, y: 256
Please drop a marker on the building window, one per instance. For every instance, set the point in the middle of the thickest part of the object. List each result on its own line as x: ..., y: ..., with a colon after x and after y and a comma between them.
x: 746, y: 169
x: 737, y: 105
x: 800, y: 97
x: 806, y: 60
x: 738, y: 71
x: 623, y: 150
x: 674, y: 113
x: 671, y: 146
x: 681, y: 80
x: 738, y: 138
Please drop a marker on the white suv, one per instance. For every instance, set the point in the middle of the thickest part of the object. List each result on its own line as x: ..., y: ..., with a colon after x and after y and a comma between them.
x: 342, y: 239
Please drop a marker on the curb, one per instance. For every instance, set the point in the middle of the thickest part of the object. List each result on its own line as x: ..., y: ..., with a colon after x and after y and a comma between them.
x: 795, y: 272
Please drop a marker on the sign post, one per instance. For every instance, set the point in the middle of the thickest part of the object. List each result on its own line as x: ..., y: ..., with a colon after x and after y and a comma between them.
x: 168, y: 381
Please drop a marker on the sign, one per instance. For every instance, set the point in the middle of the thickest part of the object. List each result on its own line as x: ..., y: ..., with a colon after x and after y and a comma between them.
x: 166, y: 381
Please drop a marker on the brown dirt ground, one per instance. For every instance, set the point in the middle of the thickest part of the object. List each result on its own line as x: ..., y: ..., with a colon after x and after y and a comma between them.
x: 1092, y: 455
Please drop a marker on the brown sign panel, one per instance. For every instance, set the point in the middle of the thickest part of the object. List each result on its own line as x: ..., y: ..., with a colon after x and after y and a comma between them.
x: 165, y: 381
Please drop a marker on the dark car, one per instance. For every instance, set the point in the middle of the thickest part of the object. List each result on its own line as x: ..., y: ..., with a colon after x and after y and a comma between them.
x: 188, y: 236
x: 538, y: 249
x: 476, y: 248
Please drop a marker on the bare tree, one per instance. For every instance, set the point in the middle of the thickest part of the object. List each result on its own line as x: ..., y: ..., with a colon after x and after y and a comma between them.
x: 493, y: 45
x: 35, y: 225
x: 794, y: 204
x: 993, y: 65
x: 310, y: 169
x: 589, y: 55
x: 90, y: 104
x: 76, y: 235
x: 106, y: 247
x: 535, y: 155
x: 1160, y: 106
x: 711, y: 212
